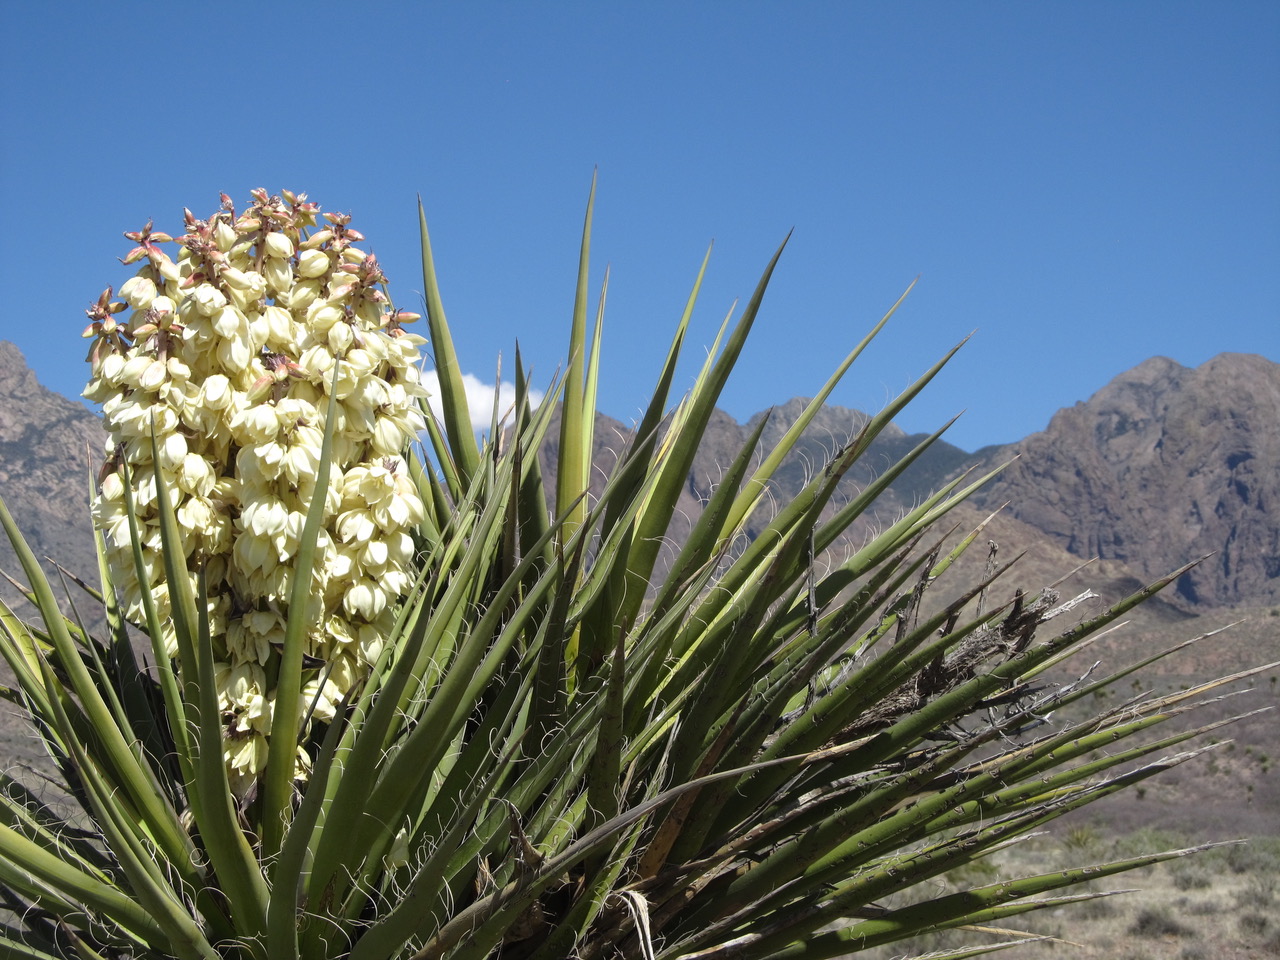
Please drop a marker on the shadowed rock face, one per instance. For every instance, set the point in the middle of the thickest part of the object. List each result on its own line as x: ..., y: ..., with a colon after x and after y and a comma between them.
x: 1163, y: 465
x: 45, y: 444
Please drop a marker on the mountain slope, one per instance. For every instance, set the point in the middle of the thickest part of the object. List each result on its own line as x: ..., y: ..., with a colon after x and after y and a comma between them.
x: 1162, y: 465
x: 46, y: 445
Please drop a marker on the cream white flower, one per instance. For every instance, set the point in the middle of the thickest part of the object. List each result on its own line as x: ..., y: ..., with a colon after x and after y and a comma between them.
x: 138, y: 292
x: 240, y: 338
x: 313, y: 263
x: 207, y: 299
x: 278, y: 245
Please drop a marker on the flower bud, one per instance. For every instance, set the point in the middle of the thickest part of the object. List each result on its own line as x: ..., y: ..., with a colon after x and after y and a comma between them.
x: 154, y: 375
x: 278, y: 274
x: 225, y: 236
x: 278, y: 245
x: 322, y: 315
x: 340, y: 337
x: 171, y: 272
x: 112, y: 487
x: 313, y: 263
x: 301, y: 295
x: 316, y: 240
x: 240, y: 279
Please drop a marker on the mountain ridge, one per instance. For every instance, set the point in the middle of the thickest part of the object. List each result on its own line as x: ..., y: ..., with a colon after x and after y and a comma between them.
x: 1162, y: 464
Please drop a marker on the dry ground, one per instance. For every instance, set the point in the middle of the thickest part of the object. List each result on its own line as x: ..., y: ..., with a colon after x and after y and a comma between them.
x: 1220, y: 905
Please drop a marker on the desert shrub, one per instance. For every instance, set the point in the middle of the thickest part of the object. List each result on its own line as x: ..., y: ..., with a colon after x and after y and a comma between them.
x: 1257, y: 892
x: 1192, y: 875
x: 1203, y: 908
x: 1260, y: 855
x: 1081, y: 838
x: 1097, y: 909
x: 1155, y: 922
x: 1254, y: 924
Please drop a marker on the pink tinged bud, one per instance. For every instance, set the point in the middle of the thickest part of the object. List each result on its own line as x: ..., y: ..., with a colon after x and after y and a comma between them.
x: 112, y: 487
x: 340, y: 291
x: 138, y: 292
x: 259, y: 389
x: 313, y: 263
x: 278, y: 245
x: 316, y: 240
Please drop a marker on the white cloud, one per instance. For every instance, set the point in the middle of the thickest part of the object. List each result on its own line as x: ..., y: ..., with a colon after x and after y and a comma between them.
x: 480, y: 399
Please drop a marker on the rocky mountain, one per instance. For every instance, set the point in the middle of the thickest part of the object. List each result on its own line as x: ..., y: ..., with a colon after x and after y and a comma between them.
x: 1162, y: 465
x: 46, y: 444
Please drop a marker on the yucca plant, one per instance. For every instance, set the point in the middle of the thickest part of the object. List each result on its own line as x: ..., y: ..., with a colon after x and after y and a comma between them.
x: 397, y: 706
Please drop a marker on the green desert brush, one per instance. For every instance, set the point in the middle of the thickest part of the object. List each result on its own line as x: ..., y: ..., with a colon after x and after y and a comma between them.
x: 350, y: 701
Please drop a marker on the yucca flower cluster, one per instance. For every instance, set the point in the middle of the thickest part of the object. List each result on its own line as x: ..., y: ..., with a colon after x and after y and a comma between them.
x: 228, y: 353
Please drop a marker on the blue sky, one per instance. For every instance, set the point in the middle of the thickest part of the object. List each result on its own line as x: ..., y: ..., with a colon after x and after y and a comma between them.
x: 1084, y: 184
